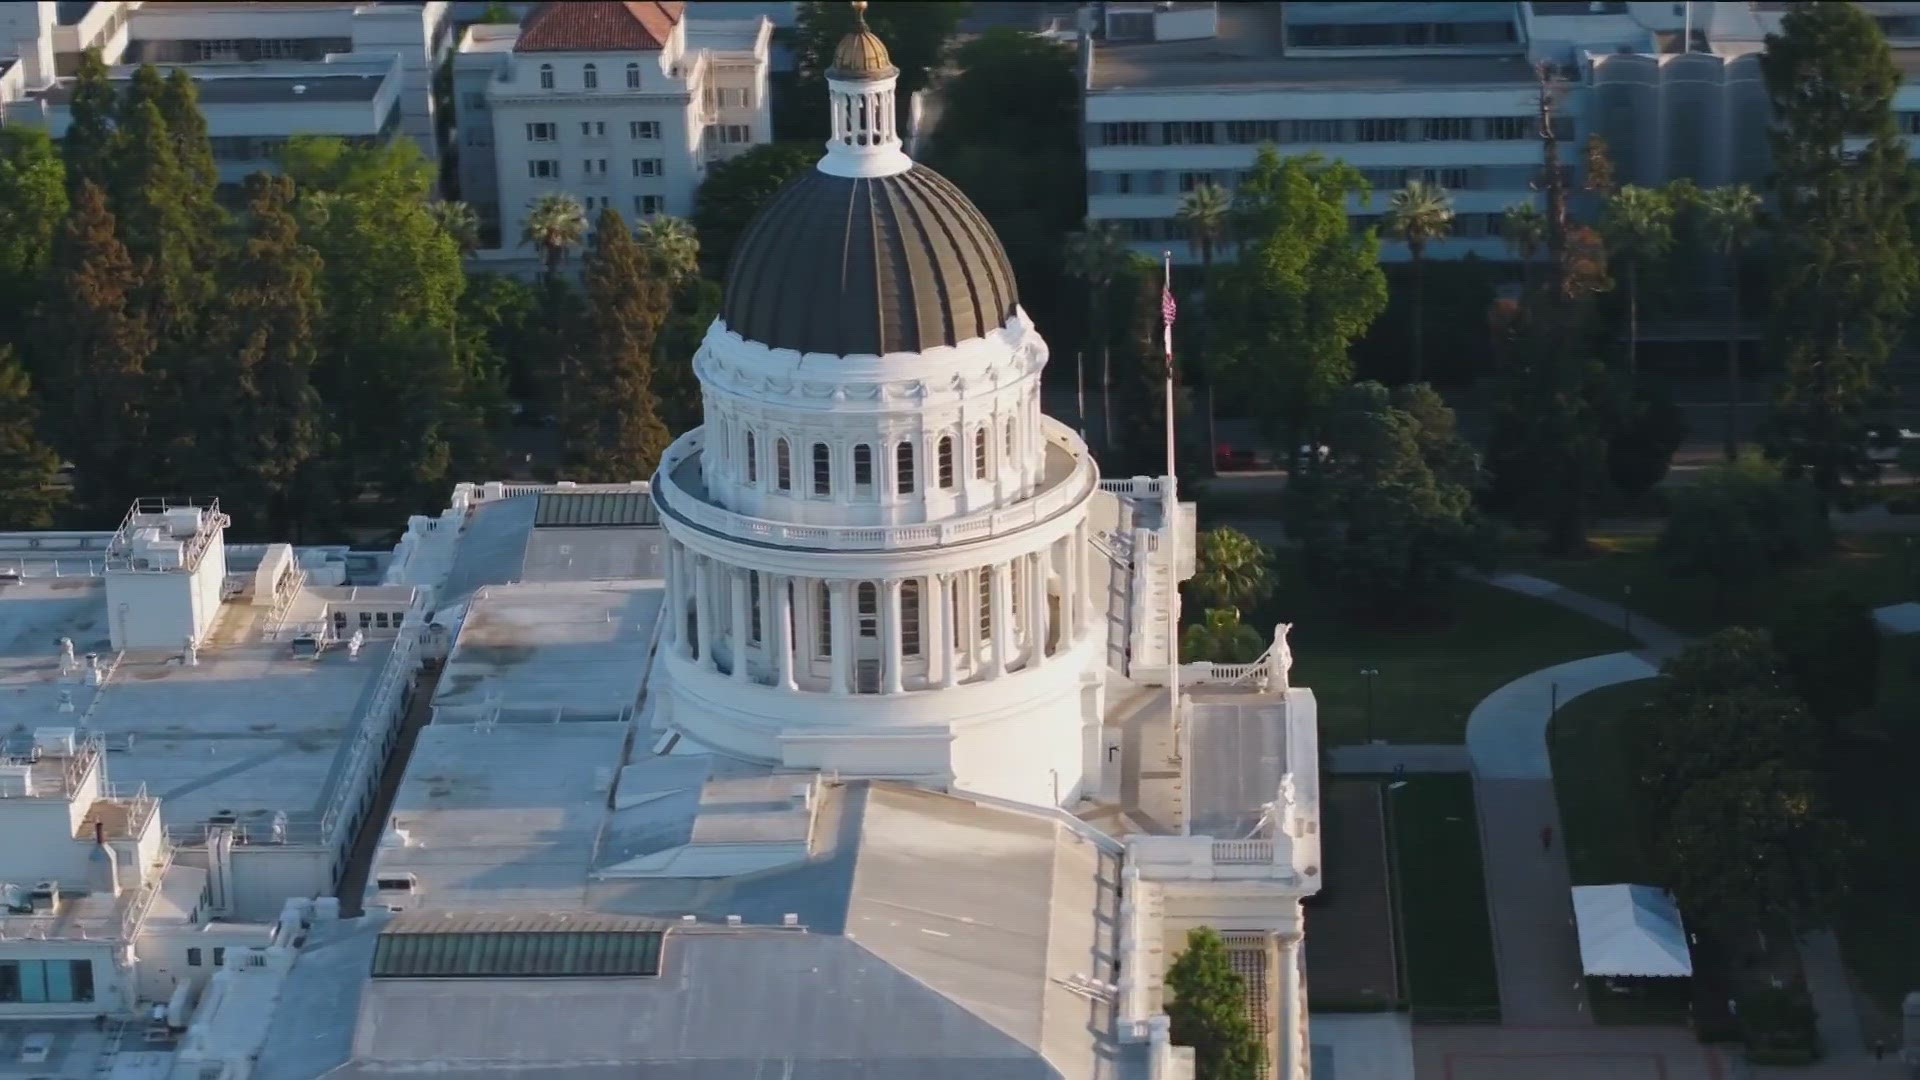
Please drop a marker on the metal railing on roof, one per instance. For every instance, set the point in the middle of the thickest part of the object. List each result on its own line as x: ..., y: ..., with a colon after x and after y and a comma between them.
x: 152, y: 512
x: 73, y: 768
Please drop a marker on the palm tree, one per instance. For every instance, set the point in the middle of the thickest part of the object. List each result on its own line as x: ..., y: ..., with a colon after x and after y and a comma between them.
x: 1095, y: 255
x: 1524, y: 228
x: 1221, y: 638
x: 1638, y: 226
x: 556, y: 224
x: 1419, y: 214
x: 1231, y: 569
x: 1730, y: 214
x: 1203, y: 211
x: 671, y: 245
x: 460, y: 222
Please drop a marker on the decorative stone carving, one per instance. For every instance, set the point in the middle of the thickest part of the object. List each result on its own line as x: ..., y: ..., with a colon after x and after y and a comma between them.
x: 1282, y: 656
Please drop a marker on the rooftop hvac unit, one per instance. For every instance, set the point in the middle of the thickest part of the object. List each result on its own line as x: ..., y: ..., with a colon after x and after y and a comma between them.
x: 185, y: 521
x: 54, y: 741
x: 16, y: 781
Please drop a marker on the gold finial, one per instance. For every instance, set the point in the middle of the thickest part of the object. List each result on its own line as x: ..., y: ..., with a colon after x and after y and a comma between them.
x: 860, y: 13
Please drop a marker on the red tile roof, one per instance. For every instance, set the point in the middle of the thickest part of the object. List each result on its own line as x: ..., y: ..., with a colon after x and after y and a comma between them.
x: 577, y: 26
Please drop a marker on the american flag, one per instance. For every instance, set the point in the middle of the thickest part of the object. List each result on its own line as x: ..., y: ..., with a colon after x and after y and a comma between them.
x: 1167, y: 311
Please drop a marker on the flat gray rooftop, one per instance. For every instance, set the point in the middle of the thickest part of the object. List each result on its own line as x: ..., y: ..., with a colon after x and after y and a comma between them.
x: 1239, y: 752
x: 257, y: 89
x: 1249, y: 54
x: 249, y: 729
x: 538, y: 651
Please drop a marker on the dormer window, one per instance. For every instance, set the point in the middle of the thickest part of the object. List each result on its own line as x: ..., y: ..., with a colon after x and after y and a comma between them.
x: 546, y: 76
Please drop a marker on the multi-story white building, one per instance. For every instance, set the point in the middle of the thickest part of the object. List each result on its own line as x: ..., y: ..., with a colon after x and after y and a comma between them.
x: 1178, y: 95
x: 620, y: 105
x: 266, y: 71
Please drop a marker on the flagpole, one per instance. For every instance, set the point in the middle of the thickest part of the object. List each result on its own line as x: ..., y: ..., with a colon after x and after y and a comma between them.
x: 1171, y: 515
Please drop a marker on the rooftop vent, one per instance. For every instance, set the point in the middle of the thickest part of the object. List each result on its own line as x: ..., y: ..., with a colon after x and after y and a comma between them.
x: 299, y: 88
x: 790, y: 919
x: 733, y: 920
x: 689, y: 919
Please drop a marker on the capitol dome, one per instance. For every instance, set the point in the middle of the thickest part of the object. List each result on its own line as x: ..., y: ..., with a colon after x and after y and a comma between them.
x: 851, y: 265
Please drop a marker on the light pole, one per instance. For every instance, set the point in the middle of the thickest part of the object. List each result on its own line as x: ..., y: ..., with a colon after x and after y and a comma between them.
x: 1369, y: 674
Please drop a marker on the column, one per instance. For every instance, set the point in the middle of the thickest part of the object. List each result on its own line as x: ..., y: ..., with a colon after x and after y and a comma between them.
x: 1071, y: 588
x: 1092, y: 592
x: 783, y: 632
x: 676, y: 621
x: 892, y: 649
x: 950, y: 643
x: 839, y: 621
x: 1000, y: 596
x: 738, y: 579
x: 1037, y: 608
x: 703, y: 610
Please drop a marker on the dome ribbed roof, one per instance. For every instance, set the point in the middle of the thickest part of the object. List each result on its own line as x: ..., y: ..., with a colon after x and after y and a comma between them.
x: 843, y: 265
x: 861, y: 55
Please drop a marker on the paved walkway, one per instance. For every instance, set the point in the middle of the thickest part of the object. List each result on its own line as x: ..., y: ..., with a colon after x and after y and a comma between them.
x: 1362, y: 1046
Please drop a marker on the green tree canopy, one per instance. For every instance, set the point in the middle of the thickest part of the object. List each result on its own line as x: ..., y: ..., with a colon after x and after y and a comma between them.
x: 1755, y: 847
x: 610, y: 421
x: 1221, y: 637
x: 1389, y: 516
x: 1737, y: 658
x: 1304, y: 288
x: 33, y: 203
x: 94, y: 107
x: 29, y: 467
x: 1207, y: 1005
x: 736, y: 190
x: 1844, y: 263
x: 1830, y: 643
x: 1739, y: 521
x: 556, y: 224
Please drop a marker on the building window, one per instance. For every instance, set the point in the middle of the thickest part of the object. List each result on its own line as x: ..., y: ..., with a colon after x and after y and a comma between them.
x: 542, y: 132
x: 649, y: 205
x: 643, y: 129
x: 910, y: 618
x: 652, y: 166
x: 43, y: 982
x: 193, y: 958
x: 1315, y: 131
x: 593, y: 168
x: 1451, y: 179
x: 986, y: 603
x: 868, y: 609
x: 1378, y: 129
x: 1126, y: 133
x: 753, y: 605
x: 590, y: 77
x: 1253, y: 131
x: 782, y: 466
x: 1447, y: 129
x: 903, y: 468
x: 862, y: 468
x: 1187, y: 132
x: 735, y: 134
x: 1191, y: 180
x: 380, y: 619
x: 218, y: 49
x: 633, y: 76
x: 219, y: 956
x: 945, y: 461
x: 593, y: 129
x: 544, y: 169
x: 980, y: 453
x: 546, y: 76
x: 1510, y: 127
x: 823, y: 631
x: 822, y: 470
x: 474, y: 101
x: 753, y: 460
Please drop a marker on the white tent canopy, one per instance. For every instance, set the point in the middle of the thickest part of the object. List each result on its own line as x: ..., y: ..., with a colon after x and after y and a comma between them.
x: 1630, y: 930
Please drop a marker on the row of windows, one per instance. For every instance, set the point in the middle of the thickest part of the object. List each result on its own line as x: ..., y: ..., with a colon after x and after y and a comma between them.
x: 594, y: 168
x: 1160, y: 182
x: 821, y: 462
x: 1370, y: 129
x: 728, y: 97
x: 589, y: 76
x: 219, y: 957
x: 41, y: 982
x: 370, y: 620
x: 1389, y: 35
x: 1465, y: 226
x: 546, y: 131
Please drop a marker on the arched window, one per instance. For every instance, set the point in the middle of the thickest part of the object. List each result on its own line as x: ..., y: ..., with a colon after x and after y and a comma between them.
x: 753, y: 460
x: 945, y: 458
x: 862, y: 469
x: 753, y: 606
x: 822, y: 470
x: 823, y: 633
x: 546, y: 76
x: 910, y: 618
x: 633, y: 76
x: 782, y: 466
x: 986, y: 603
x: 980, y: 454
x: 868, y: 608
x: 590, y: 77
x: 903, y: 468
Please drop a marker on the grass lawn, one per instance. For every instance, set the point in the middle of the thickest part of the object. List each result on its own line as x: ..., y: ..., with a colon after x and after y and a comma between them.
x: 1591, y: 778
x: 1443, y: 900
x: 1874, y: 786
x: 1874, y: 568
x: 1430, y: 679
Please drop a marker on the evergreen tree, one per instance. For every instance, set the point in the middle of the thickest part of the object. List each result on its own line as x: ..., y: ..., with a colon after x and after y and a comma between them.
x: 1208, y: 1010
x: 268, y: 327
x: 193, y: 152
x: 92, y: 111
x: 151, y: 200
x: 610, y: 420
x: 696, y: 303
x: 28, y: 466
x: 33, y: 202
x: 100, y: 345
x: 1844, y: 263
